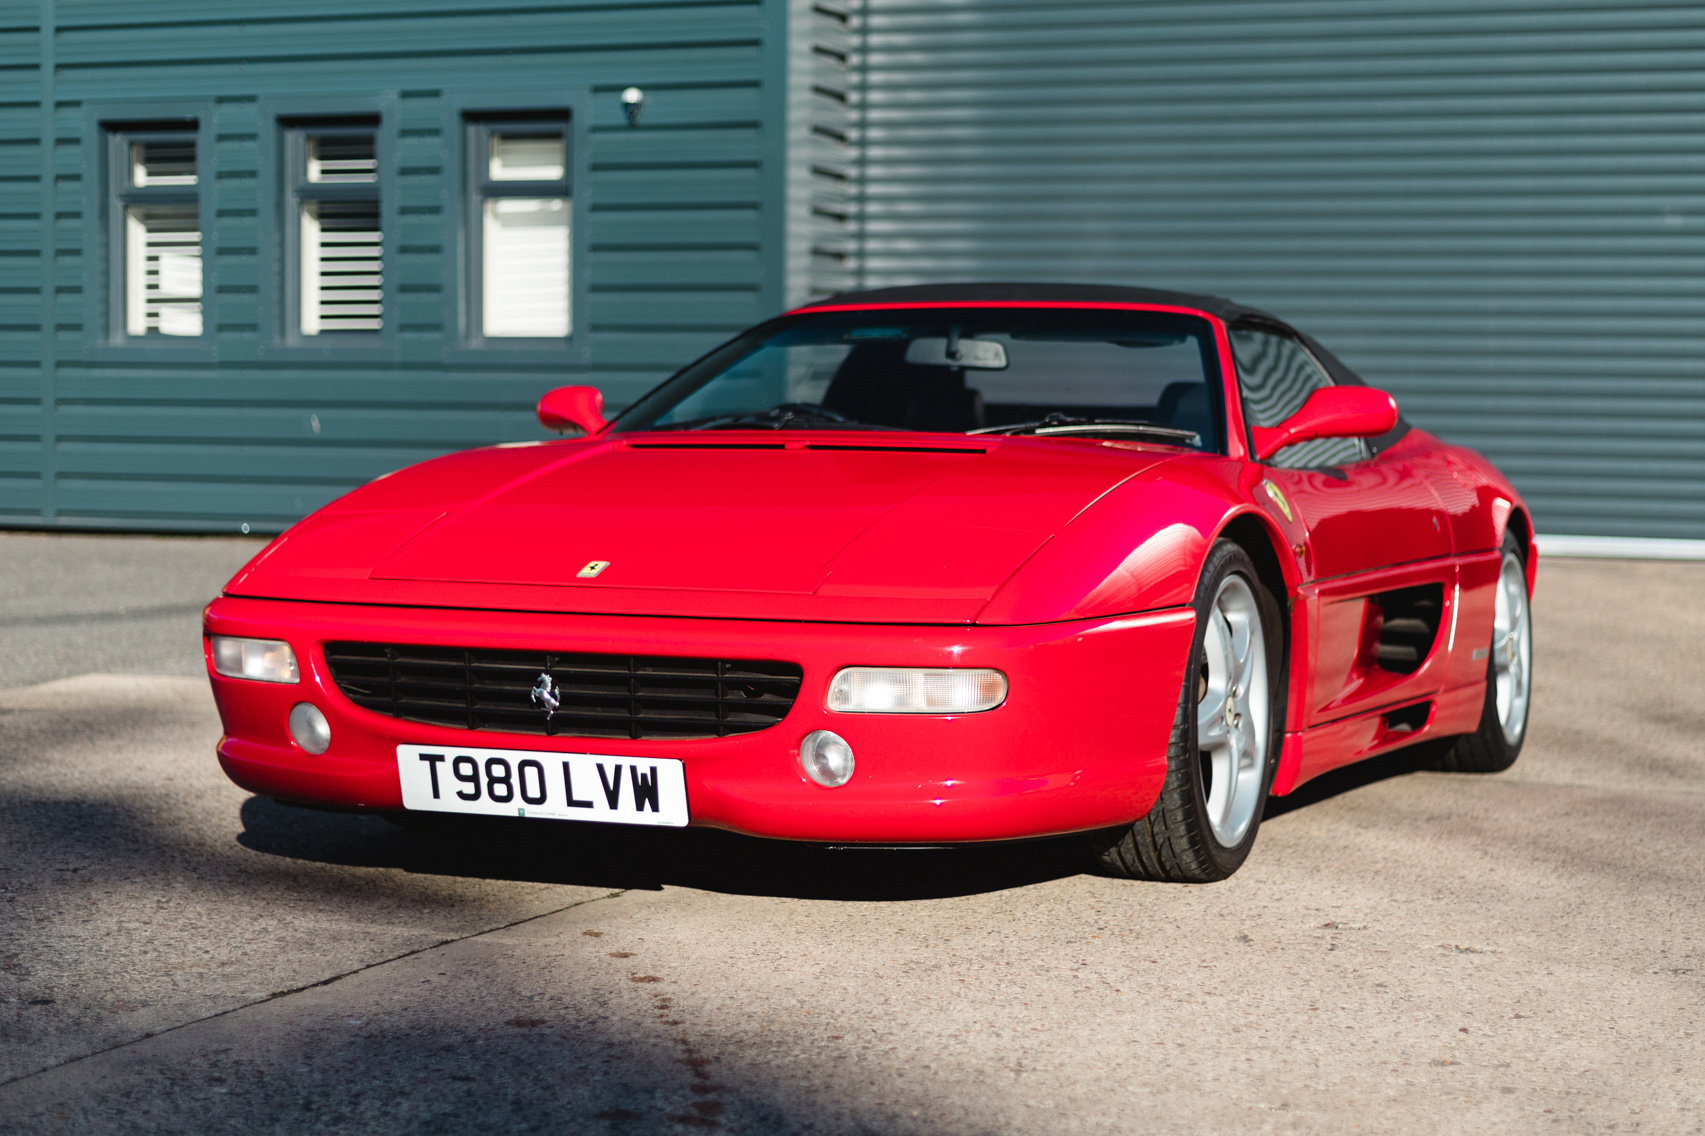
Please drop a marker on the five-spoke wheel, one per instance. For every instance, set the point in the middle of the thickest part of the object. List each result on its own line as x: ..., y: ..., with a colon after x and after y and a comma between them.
x: 1225, y: 738
x: 1232, y: 711
x: 1512, y: 649
x: 1497, y: 740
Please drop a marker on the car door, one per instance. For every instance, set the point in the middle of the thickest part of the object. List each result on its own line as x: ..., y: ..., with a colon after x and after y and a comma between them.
x: 1379, y: 582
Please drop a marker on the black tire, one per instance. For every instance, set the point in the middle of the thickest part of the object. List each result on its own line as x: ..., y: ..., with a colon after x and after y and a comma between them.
x: 1487, y: 749
x: 1175, y: 841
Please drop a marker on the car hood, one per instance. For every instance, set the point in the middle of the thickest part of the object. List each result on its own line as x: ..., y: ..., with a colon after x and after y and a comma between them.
x: 837, y: 527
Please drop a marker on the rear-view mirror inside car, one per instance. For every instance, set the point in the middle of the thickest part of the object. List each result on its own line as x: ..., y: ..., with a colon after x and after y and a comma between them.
x: 975, y: 354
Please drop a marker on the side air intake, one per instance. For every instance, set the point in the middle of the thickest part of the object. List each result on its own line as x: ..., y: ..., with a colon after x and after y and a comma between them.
x: 1405, y: 626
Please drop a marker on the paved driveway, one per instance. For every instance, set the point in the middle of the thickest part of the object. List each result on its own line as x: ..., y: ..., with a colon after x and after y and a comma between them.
x: 1404, y: 952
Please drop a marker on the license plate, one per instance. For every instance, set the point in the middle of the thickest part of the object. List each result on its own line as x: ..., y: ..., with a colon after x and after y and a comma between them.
x: 556, y: 786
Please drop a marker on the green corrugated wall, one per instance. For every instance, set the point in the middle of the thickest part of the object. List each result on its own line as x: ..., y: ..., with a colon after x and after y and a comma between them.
x: 684, y: 242
x: 1495, y: 210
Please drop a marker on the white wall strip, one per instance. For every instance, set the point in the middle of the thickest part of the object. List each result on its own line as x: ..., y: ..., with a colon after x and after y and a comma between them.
x: 1621, y: 547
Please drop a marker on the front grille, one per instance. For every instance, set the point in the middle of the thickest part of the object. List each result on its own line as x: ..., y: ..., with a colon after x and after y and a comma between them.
x: 602, y: 696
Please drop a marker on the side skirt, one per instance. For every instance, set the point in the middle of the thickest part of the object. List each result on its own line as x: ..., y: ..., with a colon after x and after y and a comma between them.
x: 1309, y: 753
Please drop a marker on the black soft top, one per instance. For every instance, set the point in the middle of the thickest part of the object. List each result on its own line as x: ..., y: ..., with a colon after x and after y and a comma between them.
x: 986, y: 292
x: 980, y: 292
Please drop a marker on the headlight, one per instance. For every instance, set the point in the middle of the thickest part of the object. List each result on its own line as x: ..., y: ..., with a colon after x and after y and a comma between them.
x: 264, y: 660
x: 908, y: 690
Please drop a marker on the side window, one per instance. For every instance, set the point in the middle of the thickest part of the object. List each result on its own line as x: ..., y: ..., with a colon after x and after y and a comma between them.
x: 157, y: 197
x: 519, y: 229
x: 1276, y: 375
x: 334, y: 218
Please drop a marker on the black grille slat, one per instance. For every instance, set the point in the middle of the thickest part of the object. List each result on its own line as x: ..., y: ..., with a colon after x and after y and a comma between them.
x: 613, y: 696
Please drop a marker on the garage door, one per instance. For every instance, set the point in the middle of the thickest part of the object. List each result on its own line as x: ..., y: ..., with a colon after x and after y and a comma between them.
x: 1496, y: 212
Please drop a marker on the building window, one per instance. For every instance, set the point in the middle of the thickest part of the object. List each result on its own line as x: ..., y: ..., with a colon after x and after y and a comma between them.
x: 157, y: 185
x: 339, y: 254
x: 520, y: 230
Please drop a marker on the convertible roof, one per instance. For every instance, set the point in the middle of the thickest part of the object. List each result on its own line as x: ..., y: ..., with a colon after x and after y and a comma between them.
x: 1046, y: 293
x: 984, y: 292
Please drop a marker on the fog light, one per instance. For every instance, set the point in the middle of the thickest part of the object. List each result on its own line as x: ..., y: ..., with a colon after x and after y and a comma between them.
x: 264, y: 660
x: 909, y: 690
x: 826, y: 758
x: 310, y: 728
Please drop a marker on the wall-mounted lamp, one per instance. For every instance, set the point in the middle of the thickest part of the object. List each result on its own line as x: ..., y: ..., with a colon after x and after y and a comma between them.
x: 632, y: 100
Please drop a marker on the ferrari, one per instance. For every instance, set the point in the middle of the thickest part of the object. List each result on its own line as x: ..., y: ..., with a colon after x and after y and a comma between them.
x: 915, y: 566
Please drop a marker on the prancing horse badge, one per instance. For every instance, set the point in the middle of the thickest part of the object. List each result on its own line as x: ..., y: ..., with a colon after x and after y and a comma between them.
x: 593, y: 567
x: 546, y: 696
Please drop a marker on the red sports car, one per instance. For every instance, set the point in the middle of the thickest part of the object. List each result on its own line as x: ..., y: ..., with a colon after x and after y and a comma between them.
x: 921, y: 565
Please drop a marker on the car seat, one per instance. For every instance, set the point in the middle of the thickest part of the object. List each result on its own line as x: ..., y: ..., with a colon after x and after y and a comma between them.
x: 874, y: 384
x: 1185, y: 405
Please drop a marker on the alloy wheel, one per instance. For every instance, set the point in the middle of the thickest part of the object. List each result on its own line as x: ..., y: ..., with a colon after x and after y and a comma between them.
x: 1512, y: 649
x: 1232, y: 711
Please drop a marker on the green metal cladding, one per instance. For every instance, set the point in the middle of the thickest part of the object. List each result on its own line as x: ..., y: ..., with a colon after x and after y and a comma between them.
x: 679, y: 221
x: 1495, y: 211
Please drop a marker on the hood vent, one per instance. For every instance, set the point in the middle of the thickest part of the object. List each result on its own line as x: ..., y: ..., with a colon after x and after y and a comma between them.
x: 899, y: 449
x: 872, y: 447
x: 705, y: 445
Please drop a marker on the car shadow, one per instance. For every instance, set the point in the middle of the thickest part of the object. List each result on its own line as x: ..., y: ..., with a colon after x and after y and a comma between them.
x: 614, y: 856
x: 618, y: 856
x: 1399, y: 763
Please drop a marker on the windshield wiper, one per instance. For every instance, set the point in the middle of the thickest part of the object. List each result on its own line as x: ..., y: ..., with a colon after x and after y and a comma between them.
x: 1064, y: 425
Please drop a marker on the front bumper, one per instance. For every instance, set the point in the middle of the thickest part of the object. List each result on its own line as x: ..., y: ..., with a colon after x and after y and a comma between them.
x: 1080, y: 742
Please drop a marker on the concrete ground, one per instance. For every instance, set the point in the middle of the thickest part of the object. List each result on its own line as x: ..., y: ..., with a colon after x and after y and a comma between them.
x: 1404, y: 952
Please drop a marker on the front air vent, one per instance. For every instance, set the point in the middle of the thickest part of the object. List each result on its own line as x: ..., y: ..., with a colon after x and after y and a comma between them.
x: 1407, y: 626
x: 600, y: 696
x: 878, y: 449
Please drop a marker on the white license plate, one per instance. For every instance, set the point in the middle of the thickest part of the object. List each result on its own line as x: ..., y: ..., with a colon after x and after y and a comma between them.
x: 556, y: 786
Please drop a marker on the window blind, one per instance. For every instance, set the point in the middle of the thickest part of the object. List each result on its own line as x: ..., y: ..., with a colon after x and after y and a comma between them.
x: 162, y: 287
x: 525, y: 232
x: 526, y: 266
x: 156, y: 182
x: 342, y: 267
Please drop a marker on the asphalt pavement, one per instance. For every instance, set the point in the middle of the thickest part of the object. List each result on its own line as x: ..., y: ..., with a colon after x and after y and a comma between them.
x: 1405, y: 951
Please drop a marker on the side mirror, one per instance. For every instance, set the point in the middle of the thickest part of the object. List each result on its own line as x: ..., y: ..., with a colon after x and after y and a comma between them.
x: 568, y: 408
x: 1330, y: 412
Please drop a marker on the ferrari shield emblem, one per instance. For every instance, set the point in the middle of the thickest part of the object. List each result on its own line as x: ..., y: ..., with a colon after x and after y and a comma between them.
x: 593, y: 567
x: 1272, y: 491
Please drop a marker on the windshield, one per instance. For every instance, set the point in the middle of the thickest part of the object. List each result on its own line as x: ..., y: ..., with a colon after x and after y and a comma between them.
x: 1146, y: 375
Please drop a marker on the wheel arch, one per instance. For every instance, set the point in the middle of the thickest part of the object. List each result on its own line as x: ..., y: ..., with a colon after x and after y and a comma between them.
x: 1267, y: 548
x: 1521, y: 526
x: 1256, y: 536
